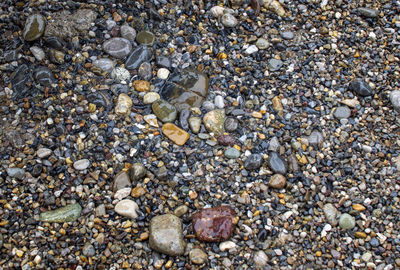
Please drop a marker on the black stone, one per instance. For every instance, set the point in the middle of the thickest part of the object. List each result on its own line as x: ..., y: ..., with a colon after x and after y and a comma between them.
x: 138, y: 56
x: 253, y: 162
x: 19, y: 79
x: 277, y: 163
x: 361, y: 87
x: 44, y: 76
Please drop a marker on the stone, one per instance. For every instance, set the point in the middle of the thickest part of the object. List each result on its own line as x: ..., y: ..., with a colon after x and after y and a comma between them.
x: 43, y: 152
x: 137, y: 172
x: 274, y: 64
x: 274, y: 144
x: 88, y: 250
x: 214, y: 224
x: 231, y: 152
x: 251, y: 49
x: 342, y: 112
x: 187, y: 89
x: 231, y: 124
x: 105, y: 64
x: 253, y: 162
x: 53, y: 42
x: 331, y: 214
x: 277, y: 163
x: 219, y: 102
x: 194, y: 124
x: 117, y: 47
x: 166, y: 235
x: 138, y: 191
x: 359, y: 207
x: 141, y: 85
x: 366, y: 257
x: 17, y: 173
x: 145, y: 38
x: 139, y: 55
x: 226, y: 140
x: 260, y: 259
x: 217, y: 11
x: 287, y: 35
x: 19, y: 79
x: 127, y: 208
x: 34, y: 27
x: 277, y: 181
x: 128, y: 32
x: 181, y: 210
x: 275, y: 7
x: 150, y: 97
x: 121, y: 180
x: 368, y: 12
x: 101, y: 99
x: 229, y: 20
x: 164, y: 111
x: 175, y: 134
x: 316, y: 138
x: 183, y: 119
x: 277, y: 103
x: 122, y: 193
x: 124, y: 105
x: 66, y: 213
x: 37, y: 52
x: 44, y: 76
x: 226, y: 246
x: 151, y: 119
x: 81, y: 164
x: 394, y: 97
x: 120, y: 75
x: 214, y: 121
x: 197, y: 256
x: 262, y: 44
x: 57, y: 57
x: 347, y: 222
x: 361, y: 87
x: 163, y: 61
x: 145, y: 71
x: 163, y: 73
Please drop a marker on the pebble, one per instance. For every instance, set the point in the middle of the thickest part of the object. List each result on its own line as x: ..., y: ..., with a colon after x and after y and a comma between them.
x: 229, y: 20
x: 217, y: 11
x: 262, y: 44
x: 105, y: 64
x: 128, y: 32
x: 121, y: 180
x: 331, y: 214
x: 181, y: 210
x: 183, y: 119
x: 219, y: 102
x: 164, y: 111
x: 260, y: 259
x: 43, y: 152
x: 226, y: 246
x: 198, y: 256
x: 395, y: 99
x: 141, y: 85
x: 166, y: 235
x: 214, y: 121
x: 274, y: 64
x: 273, y: 144
x: 251, y: 49
x: 145, y: 71
x: 137, y: 172
x: 277, y: 163
x: 287, y: 35
x: 361, y: 87
x: 226, y: 140
x: 120, y: 75
x: 117, y: 47
x: 34, y: 27
x: 124, y: 104
x: 231, y: 124
x: 277, y: 181
x: 122, y: 193
x: 347, y: 222
x: 368, y: 12
x: 253, y: 162
x: 342, y: 112
x: 175, y: 134
x: 37, y: 52
x: 139, y: 55
x: 88, y: 250
x: 194, y: 124
x: 16, y: 173
x: 231, y: 152
x: 150, y: 97
x: 81, y: 164
x: 66, y: 213
x: 127, y: 208
x: 163, y: 73
x: 145, y: 38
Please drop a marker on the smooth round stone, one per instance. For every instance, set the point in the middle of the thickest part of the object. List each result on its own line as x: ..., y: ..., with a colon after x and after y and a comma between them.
x: 124, y: 104
x: 141, y: 85
x: 347, y: 222
x: 214, y: 121
x: 181, y: 210
x: 57, y: 57
x: 43, y: 152
x: 208, y: 105
x: 164, y: 111
x: 229, y: 20
x: 145, y: 71
x: 217, y: 11
x: 219, y: 102
x: 277, y: 164
x: 231, y: 124
x: 232, y: 153
x: 260, y: 259
x: 88, y: 250
x: 253, y: 162
x: 342, y: 112
x: 150, y: 97
x: 274, y: 64
x: 145, y: 38
x: 44, y: 76
x: 127, y: 208
x: 37, y: 52
x: 34, y: 27
x: 287, y: 35
x: 194, y: 124
x: 16, y: 173
x: 226, y: 246
x: 330, y: 213
x: 66, y: 213
x: 122, y: 193
x: 128, y: 32
x: 262, y: 43
x: 361, y: 87
x: 368, y: 12
x: 166, y: 235
x: 251, y: 49
x: 54, y: 43
x: 117, y: 47
x: 277, y: 181
x: 197, y: 256
x: 104, y: 64
x: 137, y: 57
x: 163, y: 73
x: 137, y: 171
x: 366, y: 257
x: 395, y: 99
x: 175, y: 134
x: 81, y: 164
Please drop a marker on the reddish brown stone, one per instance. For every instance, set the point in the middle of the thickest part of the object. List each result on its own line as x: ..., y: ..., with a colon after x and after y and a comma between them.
x: 226, y: 140
x: 214, y: 224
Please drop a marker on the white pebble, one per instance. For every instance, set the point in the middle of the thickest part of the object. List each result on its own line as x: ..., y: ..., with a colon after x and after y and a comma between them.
x: 81, y: 164
x: 127, y: 208
x: 227, y: 245
x: 219, y: 102
x: 163, y: 73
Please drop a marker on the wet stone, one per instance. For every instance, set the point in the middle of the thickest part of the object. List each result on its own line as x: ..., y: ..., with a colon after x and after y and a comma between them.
x: 231, y: 124
x: 128, y: 32
x: 145, y: 38
x: 81, y: 164
x: 330, y: 213
x: 164, y: 111
x: 57, y: 57
x: 175, y: 134
x: 232, y: 152
x: 53, y: 42
x: 229, y: 20
x: 137, y: 172
x: 253, y: 162
x: 181, y: 210
x: 19, y: 80
x: 127, y: 208
x: 145, y: 71
x: 139, y: 55
x: 194, y: 124
x: 342, y: 112
x: 117, y: 47
x: 368, y: 12
x: 183, y: 119
x: 197, y: 256
x: 141, y: 85
x: 361, y: 87
x: 214, y: 224
x: 100, y: 99
x: 67, y: 213
x: 166, y: 235
x: 44, y: 76
x: 37, y: 52
x: 277, y: 163
x: 347, y: 222
x: 34, y: 27
x: 17, y: 173
x: 214, y: 121
x: 277, y: 181
x: 124, y: 104
x: 105, y: 64
x: 163, y: 61
x: 274, y: 64
x: 150, y: 97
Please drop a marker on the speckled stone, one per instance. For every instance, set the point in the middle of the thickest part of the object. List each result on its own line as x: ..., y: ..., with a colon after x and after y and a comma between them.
x: 124, y: 104
x: 164, y: 111
x: 175, y: 134
x: 34, y: 27
x: 214, y: 121
x: 67, y: 213
x: 197, y: 256
x: 117, y: 47
x: 347, y: 222
x: 139, y: 55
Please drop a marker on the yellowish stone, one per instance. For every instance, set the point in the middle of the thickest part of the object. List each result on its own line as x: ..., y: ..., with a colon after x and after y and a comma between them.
x: 124, y: 104
x: 277, y: 104
x: 358, y: 207
x: 360, y: 235
x: 141, y: 85
x: 175, y: 134
x: 256, y: 114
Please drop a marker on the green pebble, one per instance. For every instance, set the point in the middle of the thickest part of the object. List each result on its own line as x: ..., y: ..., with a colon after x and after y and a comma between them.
x: 232, y: 152
x: 64, y: 214
x: 145, y: 38
x: 347, y: 222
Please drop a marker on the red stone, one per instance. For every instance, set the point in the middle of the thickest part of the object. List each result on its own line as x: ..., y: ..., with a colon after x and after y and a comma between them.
x: 214, y: 224
x: 226, y: 140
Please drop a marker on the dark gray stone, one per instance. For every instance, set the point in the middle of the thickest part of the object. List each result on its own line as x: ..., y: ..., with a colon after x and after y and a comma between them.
x: 138, y: 56
x: 277, y: 163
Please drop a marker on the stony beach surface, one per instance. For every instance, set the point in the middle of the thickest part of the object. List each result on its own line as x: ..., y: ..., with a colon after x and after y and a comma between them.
x: 160, y: 134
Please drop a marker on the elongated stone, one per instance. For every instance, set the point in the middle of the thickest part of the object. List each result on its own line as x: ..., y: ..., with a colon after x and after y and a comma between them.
x: 175, y: 134
x: 34, y: 27
x: 330, y: 213
x: 64, y: 214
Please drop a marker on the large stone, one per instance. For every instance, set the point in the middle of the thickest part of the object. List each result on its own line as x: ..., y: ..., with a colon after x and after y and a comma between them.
x: 197, y: 256
x: 127, y: 208
x: 361, y: 87
x: 253, y: 162
x: 277, y: 163
x: 187, y: 89
x: 44, y: 76
x: 128, y: 32
x: 137, y: 172
x: 214, y: 224
x: 64, y: 214
x: 34, y: 27
x: 124, y: 104
x: 368, y: 12
x: 347, y: 222
x: 175, y: 134
x: 164, y: 110
x: 194, y: 124
x: 19, y: 79
x: 117, y: 47
x: 166, y: 235
x: 395, y: 99
x: 17, y: 173
x: 121, y: 181
x: 105, y: 64
x: 214, y: 121
x: 145, y: 38
x: 277, y: 181
x: 138, y: 56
